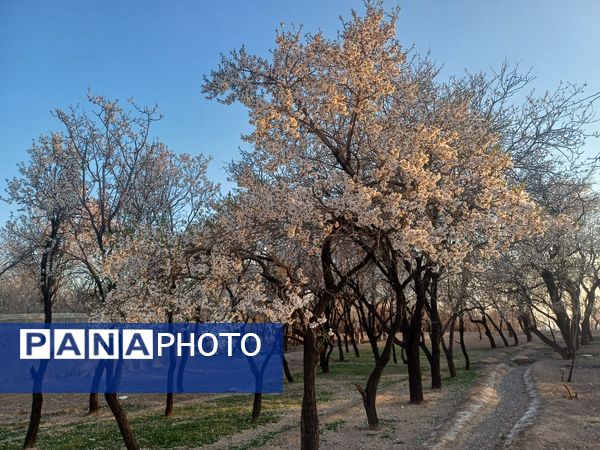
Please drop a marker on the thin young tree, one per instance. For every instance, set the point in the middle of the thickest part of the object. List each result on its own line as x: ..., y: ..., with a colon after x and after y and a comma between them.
x: 45, y: 203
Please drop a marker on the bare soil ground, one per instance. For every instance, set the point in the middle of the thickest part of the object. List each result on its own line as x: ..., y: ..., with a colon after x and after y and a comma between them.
x: 564, y: 423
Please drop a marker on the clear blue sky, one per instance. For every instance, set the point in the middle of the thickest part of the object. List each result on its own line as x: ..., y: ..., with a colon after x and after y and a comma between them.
x: 156, y: 51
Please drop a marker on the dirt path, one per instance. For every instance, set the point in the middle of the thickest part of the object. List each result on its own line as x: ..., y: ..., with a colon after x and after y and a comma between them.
x: 487, y: 421
x: 501, y: 407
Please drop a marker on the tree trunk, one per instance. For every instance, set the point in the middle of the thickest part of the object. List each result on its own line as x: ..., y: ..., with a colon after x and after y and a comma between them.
x: 370, y: 330
x: 570, y: 378
x: 122, y: 422
x: 354, y: 346
x: 256, y: 407
x: 463, y: 347
x: 285, y: 338
x: 93, y: 403
x: 309, y: 419
x: 37, y: 400
x: 412, y: 338
x: 34, y: 420
x: 286, y: 370
x: 171, y: 371
x: 47, y: 285
x: 435, y: 336
x: 338, y: 338
x: 586, y: 332
x: 513, y: 332
x: 449, y: 349
x: 169, y: 404
x: 369, y: 393
x: 324, y: 357
x: 563, y: 321
x: 590, y: 300
x: 414, y: 368
x: 525, y: 322
x: 499, y: 330
x: 488, y: 333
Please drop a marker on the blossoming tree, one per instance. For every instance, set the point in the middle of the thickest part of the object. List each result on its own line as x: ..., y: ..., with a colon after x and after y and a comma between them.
x: 354, y: 143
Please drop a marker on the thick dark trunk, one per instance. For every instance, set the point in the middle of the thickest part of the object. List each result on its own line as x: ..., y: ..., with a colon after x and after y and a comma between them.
x: 93, y: 403
x: 122, y: 422
x: 436, y: 370
x: 324, y: 357
x: 369, y: 393
x: 346, y: 342
x: 586, y: 329
x: 415, y: 385
x: 412, y: 338
x: 34, y: 420
x: 435, y: 336
x: 37, y: 401
x: 47, y: 299
x: 169, y: 404
x: 256, y: 406
x: 463, y: 347
x: 309, y: 419
x: 562, y: 319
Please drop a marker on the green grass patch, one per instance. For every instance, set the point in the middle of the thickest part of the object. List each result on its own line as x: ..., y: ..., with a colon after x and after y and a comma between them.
x: 334, y: 425
x: 190, y: 426
x: 263, y: 439
x: 464, y: 378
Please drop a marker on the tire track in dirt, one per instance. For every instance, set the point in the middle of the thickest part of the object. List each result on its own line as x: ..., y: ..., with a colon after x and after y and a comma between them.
x: 526, y: 420
x: 496, y: 414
